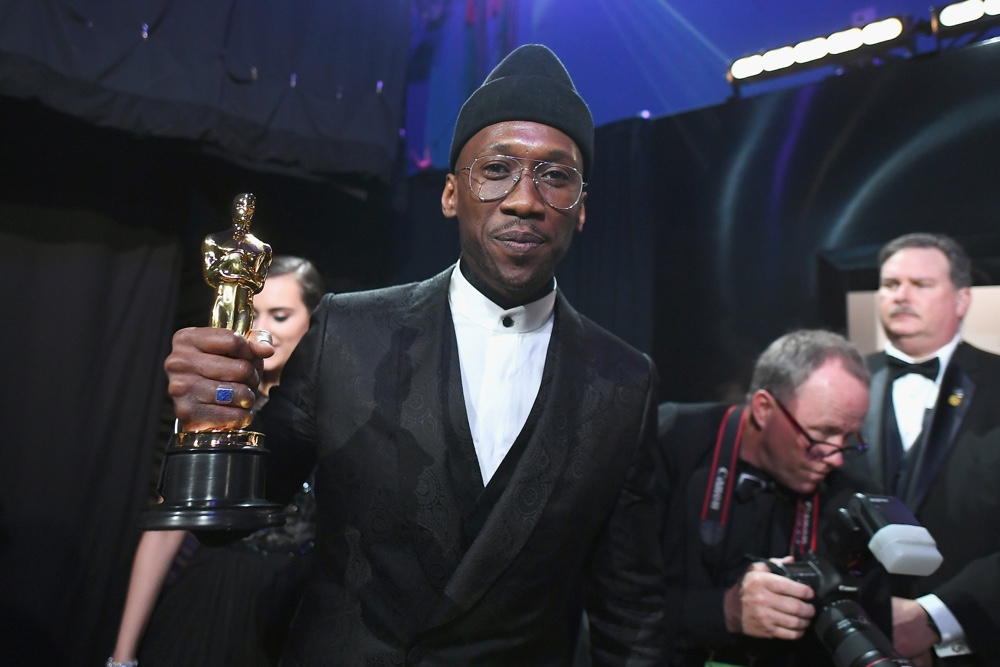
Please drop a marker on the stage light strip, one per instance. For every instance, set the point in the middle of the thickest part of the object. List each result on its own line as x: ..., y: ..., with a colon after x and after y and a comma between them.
x: 962, y: 12
x: 813, y: 51
x: 966, y: 16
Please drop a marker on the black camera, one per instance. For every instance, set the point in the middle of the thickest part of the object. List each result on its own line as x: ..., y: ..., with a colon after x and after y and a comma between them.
x: 866, y: 527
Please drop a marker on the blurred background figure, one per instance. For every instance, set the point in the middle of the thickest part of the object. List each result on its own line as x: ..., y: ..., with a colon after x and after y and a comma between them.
x: 231, y: 605
x: 934, y: 431
x: 760, y: 480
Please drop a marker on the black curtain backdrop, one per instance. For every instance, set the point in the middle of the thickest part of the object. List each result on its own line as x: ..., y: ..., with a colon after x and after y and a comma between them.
x: 606, y: 274
x: 89, y: 307
x: 306, y: 87
x: 753, y: 194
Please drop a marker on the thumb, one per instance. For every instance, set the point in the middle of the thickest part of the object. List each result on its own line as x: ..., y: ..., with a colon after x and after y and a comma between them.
x: 260, y: 342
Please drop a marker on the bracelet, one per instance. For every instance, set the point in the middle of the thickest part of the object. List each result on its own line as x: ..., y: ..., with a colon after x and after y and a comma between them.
x: 114, y: 663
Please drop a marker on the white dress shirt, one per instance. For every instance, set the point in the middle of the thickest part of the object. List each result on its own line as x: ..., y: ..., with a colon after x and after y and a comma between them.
x: 502, y: 355
x: 913, y: 395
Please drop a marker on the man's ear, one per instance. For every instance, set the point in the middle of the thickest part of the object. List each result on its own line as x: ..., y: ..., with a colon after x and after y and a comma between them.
x: 448, y: 204
x: 963, y: 298
x: 761, y: 408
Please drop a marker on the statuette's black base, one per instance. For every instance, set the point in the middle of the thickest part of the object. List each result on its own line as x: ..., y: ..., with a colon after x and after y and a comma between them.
x: 213, y: 480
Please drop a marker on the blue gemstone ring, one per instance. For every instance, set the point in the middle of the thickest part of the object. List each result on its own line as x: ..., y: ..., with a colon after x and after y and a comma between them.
x: 224, y: 394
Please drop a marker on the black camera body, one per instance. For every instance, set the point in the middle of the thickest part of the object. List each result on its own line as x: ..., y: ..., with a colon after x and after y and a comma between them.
x: 867, y: 528
x: 841, y: 624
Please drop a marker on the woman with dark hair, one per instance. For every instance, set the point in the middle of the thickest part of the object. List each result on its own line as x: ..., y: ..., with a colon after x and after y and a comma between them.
x: 229, y: 605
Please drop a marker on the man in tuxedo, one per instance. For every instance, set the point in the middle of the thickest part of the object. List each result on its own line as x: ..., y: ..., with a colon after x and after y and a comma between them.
x: 484, y: 453
x: 934, y: 431
x: 748, y: 482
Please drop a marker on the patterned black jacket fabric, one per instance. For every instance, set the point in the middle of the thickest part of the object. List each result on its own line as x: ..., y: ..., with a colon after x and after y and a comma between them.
x: 373, y: 397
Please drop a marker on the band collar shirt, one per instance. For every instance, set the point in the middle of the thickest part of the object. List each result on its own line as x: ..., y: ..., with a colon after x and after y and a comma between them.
x: 913, y: 395
x: 501, y: 353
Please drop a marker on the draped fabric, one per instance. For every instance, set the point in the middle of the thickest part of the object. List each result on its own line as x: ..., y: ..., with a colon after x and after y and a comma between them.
x: 306, y: 87
x: 89, y: 305
x: 607, y: 272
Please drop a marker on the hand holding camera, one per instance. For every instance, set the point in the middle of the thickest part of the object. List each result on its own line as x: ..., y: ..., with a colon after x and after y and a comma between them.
x: 768, y: 605
x: 868, y: 528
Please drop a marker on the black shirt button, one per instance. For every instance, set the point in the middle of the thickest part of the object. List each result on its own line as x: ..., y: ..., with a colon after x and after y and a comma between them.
x: 507, y: 321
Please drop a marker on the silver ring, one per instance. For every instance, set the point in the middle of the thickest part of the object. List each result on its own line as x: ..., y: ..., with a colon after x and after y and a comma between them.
x: 264, y: 336
x: 224, y: 394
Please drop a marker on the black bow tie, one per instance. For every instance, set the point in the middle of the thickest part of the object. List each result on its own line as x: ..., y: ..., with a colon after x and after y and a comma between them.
x: 898, y: 368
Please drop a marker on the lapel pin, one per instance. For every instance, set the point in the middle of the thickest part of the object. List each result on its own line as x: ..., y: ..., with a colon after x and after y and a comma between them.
x: 955, y: 399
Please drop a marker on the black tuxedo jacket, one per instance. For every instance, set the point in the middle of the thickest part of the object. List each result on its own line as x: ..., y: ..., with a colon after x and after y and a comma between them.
x: 698, y: 574
x: 956, y: 495
x: 373, y: 397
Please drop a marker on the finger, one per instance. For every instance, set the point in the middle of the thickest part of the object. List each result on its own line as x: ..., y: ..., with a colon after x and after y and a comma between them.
x: 765, y: 620
x: 783, y: 610
x: 218, y: 354
x: 211, y: 375
x: 197, y: 379
x: 766, y: 582
x: 234, y: 395
x: 261, y: 342
x: 215, y: 406
x: 788, y: 587
x: 206, y: 417
x: 789, y: 617
x: 793, y: 608
x: 788, y: 633
x: 212, y: 340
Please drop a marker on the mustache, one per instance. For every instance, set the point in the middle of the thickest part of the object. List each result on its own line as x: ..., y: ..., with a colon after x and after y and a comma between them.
x: 902, y: 310
x: 519, y: 223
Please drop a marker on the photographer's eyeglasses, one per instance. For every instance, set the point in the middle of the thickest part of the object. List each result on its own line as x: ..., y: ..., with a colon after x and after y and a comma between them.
x: 492, y: 177
x: 854, y: 443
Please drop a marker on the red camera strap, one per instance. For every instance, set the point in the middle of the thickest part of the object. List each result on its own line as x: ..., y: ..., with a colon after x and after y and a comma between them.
x: 806, y: 520
x: 719, y: 492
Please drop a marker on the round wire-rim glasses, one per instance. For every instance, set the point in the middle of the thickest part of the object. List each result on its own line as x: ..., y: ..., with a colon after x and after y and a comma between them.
x: 820, y: 449
x: 559, y: 185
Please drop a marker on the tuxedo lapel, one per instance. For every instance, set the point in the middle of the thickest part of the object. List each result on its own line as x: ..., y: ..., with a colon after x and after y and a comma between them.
x: 520, y: 506
x: 434, y: 412
x: 954, y: 399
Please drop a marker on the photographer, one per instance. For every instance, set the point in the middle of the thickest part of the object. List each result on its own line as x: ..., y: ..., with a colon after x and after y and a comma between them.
x: 751, y: 481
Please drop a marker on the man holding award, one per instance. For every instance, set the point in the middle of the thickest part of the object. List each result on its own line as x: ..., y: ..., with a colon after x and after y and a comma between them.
x: 213, y: 478
x: 484, y: 453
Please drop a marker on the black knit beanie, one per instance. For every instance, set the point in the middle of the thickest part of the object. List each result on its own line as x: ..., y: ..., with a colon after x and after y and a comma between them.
x: 530, y: 84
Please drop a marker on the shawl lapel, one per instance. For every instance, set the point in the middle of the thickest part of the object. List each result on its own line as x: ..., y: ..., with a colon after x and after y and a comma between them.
x: 433, y: 413
x: 523, y: 501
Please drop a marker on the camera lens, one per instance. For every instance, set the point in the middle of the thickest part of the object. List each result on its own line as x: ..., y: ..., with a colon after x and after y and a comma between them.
x: 852, y: 639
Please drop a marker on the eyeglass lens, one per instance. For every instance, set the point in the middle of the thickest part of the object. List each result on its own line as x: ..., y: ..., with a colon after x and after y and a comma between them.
x: 853, y: 446
x: 853, y: 442
x: 494, y: 176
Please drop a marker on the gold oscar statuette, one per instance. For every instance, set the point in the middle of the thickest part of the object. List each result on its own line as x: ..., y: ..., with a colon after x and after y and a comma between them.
x: 214, y: 480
